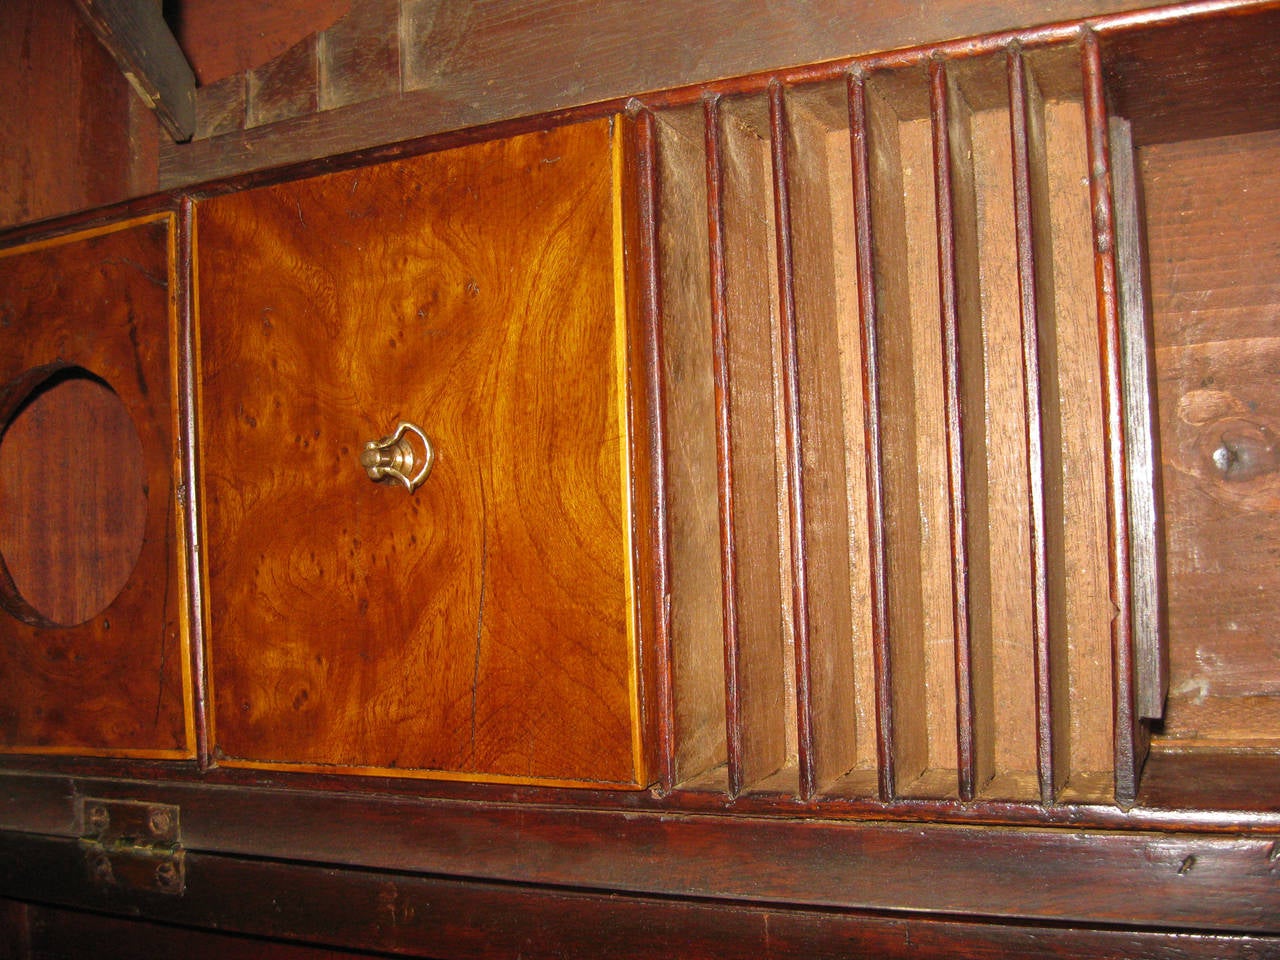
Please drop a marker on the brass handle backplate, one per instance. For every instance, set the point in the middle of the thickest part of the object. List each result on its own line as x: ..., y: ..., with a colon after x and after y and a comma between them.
x: 394, y: 458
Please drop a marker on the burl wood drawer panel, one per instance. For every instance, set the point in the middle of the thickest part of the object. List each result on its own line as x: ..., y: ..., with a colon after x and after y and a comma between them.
x: 480, y: 626
x: 93, y: 651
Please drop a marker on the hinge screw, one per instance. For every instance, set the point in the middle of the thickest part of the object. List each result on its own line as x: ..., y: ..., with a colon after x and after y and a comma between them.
x: 102, y: 869
x: 160, y: 823
x: 97, y: 819
x: 167, y: 876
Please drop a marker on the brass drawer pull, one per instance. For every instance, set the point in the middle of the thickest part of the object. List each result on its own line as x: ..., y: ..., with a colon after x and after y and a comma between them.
x: 394, y: 458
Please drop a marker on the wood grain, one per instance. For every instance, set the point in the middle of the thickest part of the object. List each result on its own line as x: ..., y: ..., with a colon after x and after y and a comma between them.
x: 221, y: 107
x: 1195, y: 76
x: 1171, y: 880
x: 793, y: 518
x: 285, y: 87
x: 460, y: 59
x: 994, y: 388
x: 55, y: 932
x: 1142, y: 443
x: 72, y: 478
x: 480, y: 627
x: 359, y: 56
x: 116, y: 684
x: 134, y: 32
x: 1214, y: 321
x: 944, y: 178
x: 1176, y: 777
x: 1053, y: 677
x: 1004, y: 418
x: 864, y: 170
x: 697, y: 618
x: 65, y: 129
x: 841, y: 682
x: 1131, y: 736
x: 912, y: 423
x: 897, y: 466
x: 421, y: 916
x: 1026, y: 133
x: 224, y: 38
x: 765, y: 656
x: 1075, y: 506
x: 1217, y: 422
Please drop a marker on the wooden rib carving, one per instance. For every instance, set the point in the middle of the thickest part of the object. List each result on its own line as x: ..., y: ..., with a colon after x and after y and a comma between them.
x: 1131, y: 740
x: 1072, y: 424
x: 762, y: 686
x: 696, y: 610
x: 831, y: 466
x: 779, y: 131
x: 949, y: 316
x: 981, y: 512
x: 1022, y: 178
x: 651, y: 310
x: 867, y: 300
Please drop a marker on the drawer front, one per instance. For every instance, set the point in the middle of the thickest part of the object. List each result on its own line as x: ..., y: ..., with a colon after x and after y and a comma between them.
x: 93, y: 648
x: 480, y: 626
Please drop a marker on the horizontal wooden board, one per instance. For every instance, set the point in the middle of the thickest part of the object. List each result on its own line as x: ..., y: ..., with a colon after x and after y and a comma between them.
x: 423, y: 916
x: 460, y: 59
x: 1120, y: 878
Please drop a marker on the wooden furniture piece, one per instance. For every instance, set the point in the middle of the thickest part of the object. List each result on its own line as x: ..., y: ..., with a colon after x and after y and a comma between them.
x: 847, y: 531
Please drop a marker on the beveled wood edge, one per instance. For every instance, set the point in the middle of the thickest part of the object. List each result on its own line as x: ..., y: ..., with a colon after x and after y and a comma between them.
x: 622, y: 199
x: 1021, y: 143
x: 65, y: 230
x: 179, y: 234
x: 36, y: 783
x: 649, y: 427
x: 868, y: 307
x: 191, y: 486
x: 1130, y: 737
x: 90, y: 222
x: 966, y: 715
x: 421, y: 774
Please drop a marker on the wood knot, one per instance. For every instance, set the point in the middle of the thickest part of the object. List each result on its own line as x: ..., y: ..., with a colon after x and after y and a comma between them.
x: 1245, y: 451
x: 1231, y: 446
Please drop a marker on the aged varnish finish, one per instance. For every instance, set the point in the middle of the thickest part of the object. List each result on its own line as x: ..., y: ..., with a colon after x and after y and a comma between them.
x: 818, y: 513
x: 482, y: 625
x: 95, y: 652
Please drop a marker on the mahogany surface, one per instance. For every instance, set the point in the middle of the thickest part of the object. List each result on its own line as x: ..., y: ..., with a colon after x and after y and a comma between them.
x: 73, y: 483
x: 118, y: 682
x: 482, y: 625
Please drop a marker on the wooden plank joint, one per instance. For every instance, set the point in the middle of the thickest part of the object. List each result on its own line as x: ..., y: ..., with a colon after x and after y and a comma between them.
x: 143, y: 46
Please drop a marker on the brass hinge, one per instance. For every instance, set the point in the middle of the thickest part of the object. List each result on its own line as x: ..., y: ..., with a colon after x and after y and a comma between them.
x: 132, y: 844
